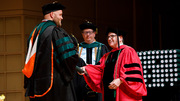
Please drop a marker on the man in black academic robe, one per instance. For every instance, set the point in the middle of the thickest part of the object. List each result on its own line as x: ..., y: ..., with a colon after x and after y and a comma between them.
x: 90, y: 51
x: 51, y: 59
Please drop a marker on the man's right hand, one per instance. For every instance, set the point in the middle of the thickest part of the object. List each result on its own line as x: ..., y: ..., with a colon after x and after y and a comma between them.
x: 84, y: 71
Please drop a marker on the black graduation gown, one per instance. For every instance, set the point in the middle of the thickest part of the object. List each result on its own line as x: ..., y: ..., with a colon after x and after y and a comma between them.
x: 108, y: 76
x: 84, y: 92
x: 53, y: 82
x: 78, y: 82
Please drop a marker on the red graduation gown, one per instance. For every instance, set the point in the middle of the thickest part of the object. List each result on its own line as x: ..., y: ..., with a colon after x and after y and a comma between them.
x: 129, y: 70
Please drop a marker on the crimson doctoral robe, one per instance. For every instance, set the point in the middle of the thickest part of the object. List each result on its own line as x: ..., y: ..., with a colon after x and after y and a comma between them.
x: 127, y: 67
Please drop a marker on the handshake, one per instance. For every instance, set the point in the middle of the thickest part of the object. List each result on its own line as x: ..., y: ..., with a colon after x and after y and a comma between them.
x: 81, y: 70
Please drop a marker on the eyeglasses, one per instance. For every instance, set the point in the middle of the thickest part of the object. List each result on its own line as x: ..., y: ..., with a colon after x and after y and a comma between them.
x: 86, y: 32
x: 111, y: 36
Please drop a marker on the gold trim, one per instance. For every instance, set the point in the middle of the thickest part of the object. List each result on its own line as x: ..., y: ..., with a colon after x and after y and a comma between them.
x: 80, y: 51
x: 95, y: 51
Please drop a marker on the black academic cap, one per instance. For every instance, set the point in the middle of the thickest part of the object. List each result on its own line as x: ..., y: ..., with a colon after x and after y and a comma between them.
x: 52, y: 7
x: 87, y: 25
x: 116, y: 31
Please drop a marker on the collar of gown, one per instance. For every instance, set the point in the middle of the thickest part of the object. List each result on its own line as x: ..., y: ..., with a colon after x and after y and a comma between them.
x: 118, y: 48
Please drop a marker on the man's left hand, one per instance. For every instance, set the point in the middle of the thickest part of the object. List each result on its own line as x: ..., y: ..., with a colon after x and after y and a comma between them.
x: 115, y: 84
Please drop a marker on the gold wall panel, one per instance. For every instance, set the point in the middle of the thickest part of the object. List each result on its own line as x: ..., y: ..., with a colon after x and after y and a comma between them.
x: 2, y: 82
x: 1, y: 43
x: 2, y: 63
x: 14, y: 82
x: 14, y: 63
x: 29, y: 24
x: 1, y: 26
x: 13, y: 43
x: 11, y: 4
x: 14, y: 97
x: 26, y: 36
x: 13, y: 25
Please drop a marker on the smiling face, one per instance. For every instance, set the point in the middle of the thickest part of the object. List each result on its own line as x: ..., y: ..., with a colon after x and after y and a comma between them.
x: 88, y: 36
x: 112, y: 40
x: 57, y: 17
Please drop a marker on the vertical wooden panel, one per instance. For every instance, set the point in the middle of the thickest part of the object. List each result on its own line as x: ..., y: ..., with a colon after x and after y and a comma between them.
x: 11, y: 4
x: 2, y: 63
x: 14, y: 82
x: 29, y: 24
x: 14, y: 63
x: 26, y: 36
x: 1, y: 26
x: 1, y: 35
x: 13, y: 25
x: 14, y: 97
x: 13, y: 43
x: 2, y: 43
x: 2, y: 82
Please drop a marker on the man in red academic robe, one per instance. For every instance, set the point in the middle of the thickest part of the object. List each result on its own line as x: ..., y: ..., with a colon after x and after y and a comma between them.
x: 119, y: 74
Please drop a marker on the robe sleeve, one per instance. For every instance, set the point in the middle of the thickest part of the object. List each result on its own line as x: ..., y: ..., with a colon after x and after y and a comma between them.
x: 66, y: 53
x: 104, y: 50
x: 131, y: 73
x: 95, y: 75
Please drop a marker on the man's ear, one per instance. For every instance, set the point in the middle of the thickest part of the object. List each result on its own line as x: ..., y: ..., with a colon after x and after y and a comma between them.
x: 95, y: 32
x: 121, y: 38
x: 52, y: 15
